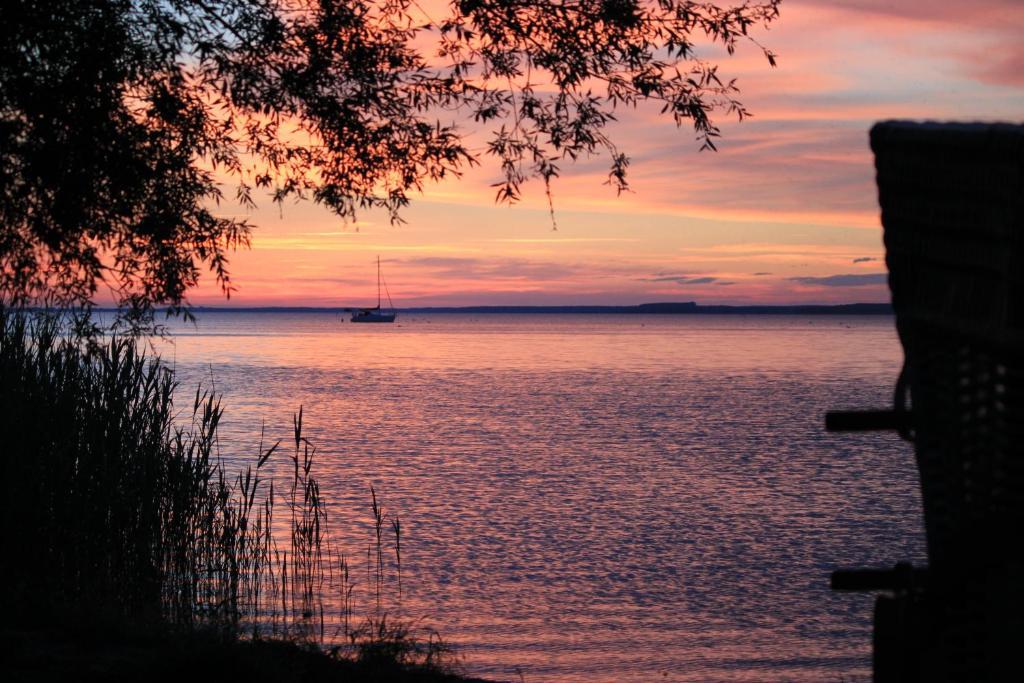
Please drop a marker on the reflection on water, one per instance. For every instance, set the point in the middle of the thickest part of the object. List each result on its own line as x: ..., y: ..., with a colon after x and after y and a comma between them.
x: 602, y: 498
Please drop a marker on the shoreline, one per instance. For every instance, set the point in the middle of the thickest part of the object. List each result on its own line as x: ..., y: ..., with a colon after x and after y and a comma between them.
x: 117, y: 652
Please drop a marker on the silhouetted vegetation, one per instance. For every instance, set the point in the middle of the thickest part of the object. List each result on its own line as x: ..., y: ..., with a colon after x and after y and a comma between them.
x: 122, y: 121
x: 120, y: 518
x: 167, y: 656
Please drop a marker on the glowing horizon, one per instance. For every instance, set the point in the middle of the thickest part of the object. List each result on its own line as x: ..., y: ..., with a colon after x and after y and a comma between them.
x: 784, y: 213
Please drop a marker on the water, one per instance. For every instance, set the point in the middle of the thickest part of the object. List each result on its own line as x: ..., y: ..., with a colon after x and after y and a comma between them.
x: 599, y: 498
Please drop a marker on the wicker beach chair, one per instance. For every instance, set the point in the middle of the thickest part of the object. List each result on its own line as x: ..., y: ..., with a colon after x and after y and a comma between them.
x: 952, y: 199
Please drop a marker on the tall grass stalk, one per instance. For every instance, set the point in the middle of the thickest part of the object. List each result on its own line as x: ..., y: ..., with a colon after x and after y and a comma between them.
x: 114, y: 503
x: 111, y: 505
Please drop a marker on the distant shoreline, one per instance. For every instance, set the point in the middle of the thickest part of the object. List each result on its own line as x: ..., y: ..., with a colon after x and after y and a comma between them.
x: 668, y: 308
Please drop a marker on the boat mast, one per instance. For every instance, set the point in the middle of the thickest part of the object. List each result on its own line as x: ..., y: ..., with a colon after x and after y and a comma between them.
x: 378, y: 282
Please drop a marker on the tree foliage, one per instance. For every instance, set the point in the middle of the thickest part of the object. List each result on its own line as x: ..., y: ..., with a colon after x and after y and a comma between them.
x: 124, y: 122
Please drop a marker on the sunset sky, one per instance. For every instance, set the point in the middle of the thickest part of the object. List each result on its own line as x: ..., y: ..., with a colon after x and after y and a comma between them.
x: 784, y: 212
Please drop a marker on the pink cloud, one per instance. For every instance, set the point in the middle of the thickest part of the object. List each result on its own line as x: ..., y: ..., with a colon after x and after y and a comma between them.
x: 975, y: 12
x: 786, y: 210
x: 1001, y: 65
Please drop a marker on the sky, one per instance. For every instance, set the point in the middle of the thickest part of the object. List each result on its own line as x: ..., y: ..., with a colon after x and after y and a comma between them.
x: 785, y: 212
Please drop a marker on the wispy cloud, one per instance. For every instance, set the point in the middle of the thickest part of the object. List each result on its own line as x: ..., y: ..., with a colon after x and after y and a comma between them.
x: 679, y: 279
x: 976, y: 12
x: 494, y: 269
x: 783, y: 210
x: 563, y: 240
x: 845, y: 280
x: 1005, y: 67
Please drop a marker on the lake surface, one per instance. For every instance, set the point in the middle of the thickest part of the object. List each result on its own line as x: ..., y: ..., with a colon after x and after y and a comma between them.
x: 598, y: 498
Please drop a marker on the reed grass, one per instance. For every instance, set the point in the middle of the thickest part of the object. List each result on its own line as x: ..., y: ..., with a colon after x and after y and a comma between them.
x: 113, y: 503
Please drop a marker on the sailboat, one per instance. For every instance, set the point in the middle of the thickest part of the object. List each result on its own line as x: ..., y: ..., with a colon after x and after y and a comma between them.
x: 376, y: 314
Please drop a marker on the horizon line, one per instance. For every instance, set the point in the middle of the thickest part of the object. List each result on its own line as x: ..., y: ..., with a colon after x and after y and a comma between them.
x: 664, y: 307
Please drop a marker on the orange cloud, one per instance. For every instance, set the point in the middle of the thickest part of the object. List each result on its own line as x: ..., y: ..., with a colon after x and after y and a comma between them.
x: 785, y: 212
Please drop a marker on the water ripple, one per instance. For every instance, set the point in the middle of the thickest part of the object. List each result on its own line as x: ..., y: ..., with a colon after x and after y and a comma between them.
x: 607, y: 499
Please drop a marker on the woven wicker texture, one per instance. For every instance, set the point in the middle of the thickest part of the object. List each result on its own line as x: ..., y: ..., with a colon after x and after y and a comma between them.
x: 952, y: 199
